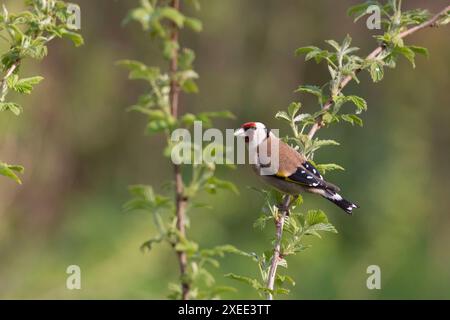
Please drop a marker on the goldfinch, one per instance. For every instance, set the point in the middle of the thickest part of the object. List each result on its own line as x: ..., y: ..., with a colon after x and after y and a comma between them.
x: 294, y: 173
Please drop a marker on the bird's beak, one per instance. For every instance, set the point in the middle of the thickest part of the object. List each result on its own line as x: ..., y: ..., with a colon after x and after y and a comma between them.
x: 239, y: 133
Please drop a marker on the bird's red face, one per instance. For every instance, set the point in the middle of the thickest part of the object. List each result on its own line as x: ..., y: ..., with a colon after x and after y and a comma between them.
x: 252, y: 132
x: 247, y: 126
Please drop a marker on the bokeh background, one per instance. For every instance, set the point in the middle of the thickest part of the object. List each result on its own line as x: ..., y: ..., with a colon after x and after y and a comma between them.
x: 81, y: 150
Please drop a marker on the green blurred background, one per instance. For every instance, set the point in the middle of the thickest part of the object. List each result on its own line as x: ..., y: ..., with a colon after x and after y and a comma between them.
x: 81, y: 150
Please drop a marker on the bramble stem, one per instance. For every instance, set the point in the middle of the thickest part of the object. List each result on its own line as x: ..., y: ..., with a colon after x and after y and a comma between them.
x: 180, y: 198
x: 276, y: 256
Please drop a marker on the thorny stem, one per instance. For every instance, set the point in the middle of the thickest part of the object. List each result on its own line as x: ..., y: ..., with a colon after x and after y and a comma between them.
x: 279, y: 223
x: 374, y: 54
x: 276, y: 256
x: 180, y: 199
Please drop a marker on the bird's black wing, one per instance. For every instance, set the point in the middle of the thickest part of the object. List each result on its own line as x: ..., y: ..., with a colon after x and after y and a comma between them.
x: 308, y: 176
x: 309, y: 167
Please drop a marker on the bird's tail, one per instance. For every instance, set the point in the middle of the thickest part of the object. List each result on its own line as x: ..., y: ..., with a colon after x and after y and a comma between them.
x: 337, y: 199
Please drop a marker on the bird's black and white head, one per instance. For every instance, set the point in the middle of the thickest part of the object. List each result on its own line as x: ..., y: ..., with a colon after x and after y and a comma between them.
x: 253, y: 132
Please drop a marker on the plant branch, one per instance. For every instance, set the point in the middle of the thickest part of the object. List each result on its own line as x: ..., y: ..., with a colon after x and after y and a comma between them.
x: 276, y: 256
x: 180, y: 199
x: 429, y: 23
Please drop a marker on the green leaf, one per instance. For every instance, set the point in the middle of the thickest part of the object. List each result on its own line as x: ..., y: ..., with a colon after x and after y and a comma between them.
x: 190, y: 247
x: 353, y: 119
x: 194, y: 24
x: 247, y: 280
x: 139, y: 71
x: 10, y: 171
x: 157, y: 126
x: 216, y: 291
x: 317, y: 221
x: 215, y: 183
x: 282, y: 279
x: 293, y: 108
x: 76, y: 38
x: 420, y: 50
x: 444, y: 20
x: 376, y: 71
x: 324, y: 168
x: 220, y: 251
x: 283, y: 115
x: 408, y: 53
x: 359, y: 102
x: 314, y: 90
x: 144, y: 198
x: 260, y: 223
x: 188, y: 119
x: 322, y: 143
x: 147, y: 245
x: 314, y: 217
x: 186, y: 59
x: 334, y: 44
x: 360, y: 9
x: 304, y: 117
x: 306, y: 50
x: 189, y: 86
x: 11, y: 106
x: 24, y: 85
x: 172, y: 14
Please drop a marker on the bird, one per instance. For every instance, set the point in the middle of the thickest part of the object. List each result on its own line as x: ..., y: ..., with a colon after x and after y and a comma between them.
x: 294, y: 173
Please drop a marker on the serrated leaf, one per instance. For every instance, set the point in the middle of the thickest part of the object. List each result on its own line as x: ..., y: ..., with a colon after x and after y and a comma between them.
x: 359, y: 102
x: 353, y: 119
x: 194, y: 24
x: 15, y: 108
x: 293, y: 108
x: 306, y: 50
x: 316, y: 221
x: 281, y: 279
x: 25, y: 85
x: 172, y: 14
x: 334, y: 44
x: 420, y: 50
x: 407, y: 53
x: 283, y: 115
x: 328, y: 142
x: 11, y: 171
x: 190, y: 247
x: 247, y: 280
x: 314, y: 90
x: 376, y: 71
x: 302, y: 117
x: 314, y: 217
x: 76, y: 38
x: 147, y: 245
x: 444, y: 20
x: 260, y: 223
x: 360, y: 9
x: 215, y: 183
x: 324, y: 168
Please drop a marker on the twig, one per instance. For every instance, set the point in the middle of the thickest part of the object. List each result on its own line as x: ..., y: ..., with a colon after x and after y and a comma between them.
x: 180, y: 198
x: 431, y: 22
x: 276, y: 256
